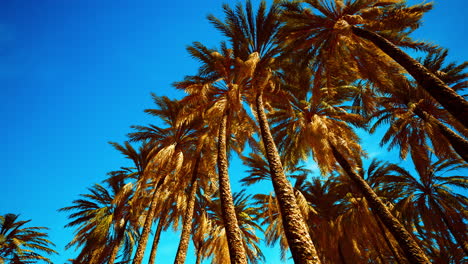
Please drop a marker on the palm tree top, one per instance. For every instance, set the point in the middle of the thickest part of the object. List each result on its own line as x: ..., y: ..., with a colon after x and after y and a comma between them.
x: 20, y: 244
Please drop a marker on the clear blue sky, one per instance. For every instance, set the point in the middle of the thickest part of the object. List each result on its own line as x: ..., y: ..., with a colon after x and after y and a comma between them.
x: 76, y: 74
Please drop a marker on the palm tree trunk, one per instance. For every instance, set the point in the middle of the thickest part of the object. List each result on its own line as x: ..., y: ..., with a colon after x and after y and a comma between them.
x: 411, y: 249
x: 188, y: 217
x: 461, y: 241
x: 233, y: 232
x: 300, y: 243
x: 446, y: 96
x: 118, y: 241
x: 157, y: 236
x: 147, y: 226
x: 459, y: 144
x: 199, y: 258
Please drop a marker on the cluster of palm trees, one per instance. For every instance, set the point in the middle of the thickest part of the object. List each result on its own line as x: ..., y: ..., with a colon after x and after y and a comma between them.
x: 293, y: 84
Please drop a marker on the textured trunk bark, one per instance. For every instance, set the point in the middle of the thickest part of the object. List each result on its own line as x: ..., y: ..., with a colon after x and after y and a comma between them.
x: 147, y: 226
x: 233, y: 232
x: 388, y: 242
x: 446, y: 96
x: 116, y: 247
x: 157, y: 236
x: 461, y: 241
x: 188, y: 217
x: 411, y: 249
x: 300, y: 243
x: 459, y: 144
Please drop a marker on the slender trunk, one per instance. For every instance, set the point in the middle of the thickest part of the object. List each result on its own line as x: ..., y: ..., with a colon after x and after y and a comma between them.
x: 461, y: 241
x: 147, y: 226
x: 118, y: 241
x: 446, y: 96
x: 199, y: 258
x: 157, y: 236
x: 411, y: 249
x: 387, y: 241
x: 233, y: 232
x: 300, y: 243
x: 188, y: 217
x: 459, y: 144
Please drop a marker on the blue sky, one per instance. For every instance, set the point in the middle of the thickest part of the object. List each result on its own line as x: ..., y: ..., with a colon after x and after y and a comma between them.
x: 76, y: 74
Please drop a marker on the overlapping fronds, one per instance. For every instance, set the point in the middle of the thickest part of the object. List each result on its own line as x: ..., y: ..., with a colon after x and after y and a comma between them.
x: 21, y: 244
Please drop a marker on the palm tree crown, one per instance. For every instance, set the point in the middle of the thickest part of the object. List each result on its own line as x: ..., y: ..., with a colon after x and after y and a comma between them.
x: 20, y: 244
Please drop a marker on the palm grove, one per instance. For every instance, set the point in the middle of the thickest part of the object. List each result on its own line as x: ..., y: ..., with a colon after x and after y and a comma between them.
x: 294, y: 83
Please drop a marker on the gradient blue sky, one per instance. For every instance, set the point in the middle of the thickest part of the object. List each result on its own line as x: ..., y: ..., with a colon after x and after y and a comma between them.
x: 76, y: 74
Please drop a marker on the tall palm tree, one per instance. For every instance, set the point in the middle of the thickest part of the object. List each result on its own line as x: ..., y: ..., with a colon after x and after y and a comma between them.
x: 429, y: 198
x: 133, y: 203
x: 318, y: 122
x: 251, y: 32
x: 170, y: 142
x: 21, y: 244
x: 200, y: 172
x: 216, y: 94
x: 364, y: 36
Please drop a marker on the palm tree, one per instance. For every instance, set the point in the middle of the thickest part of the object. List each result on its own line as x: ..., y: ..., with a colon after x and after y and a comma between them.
x: 429, y: 198
x: 216, y: 94
x: 415, y: 118
x: 124, y: 215
x: 135, y: 205
x: 200, y: 171
x: 103, y: 222
x: 108, y: 219
x: 385, y: 242
x: 93, y: 220
x: 414, y: 130
x: 255, y: 33
x: 363, y: 36
x: 169, y: 145
x: 20, y: 244
x: 315, y: 122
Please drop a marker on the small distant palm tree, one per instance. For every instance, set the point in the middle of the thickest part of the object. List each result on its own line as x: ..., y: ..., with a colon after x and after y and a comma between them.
x: 20, y: 244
